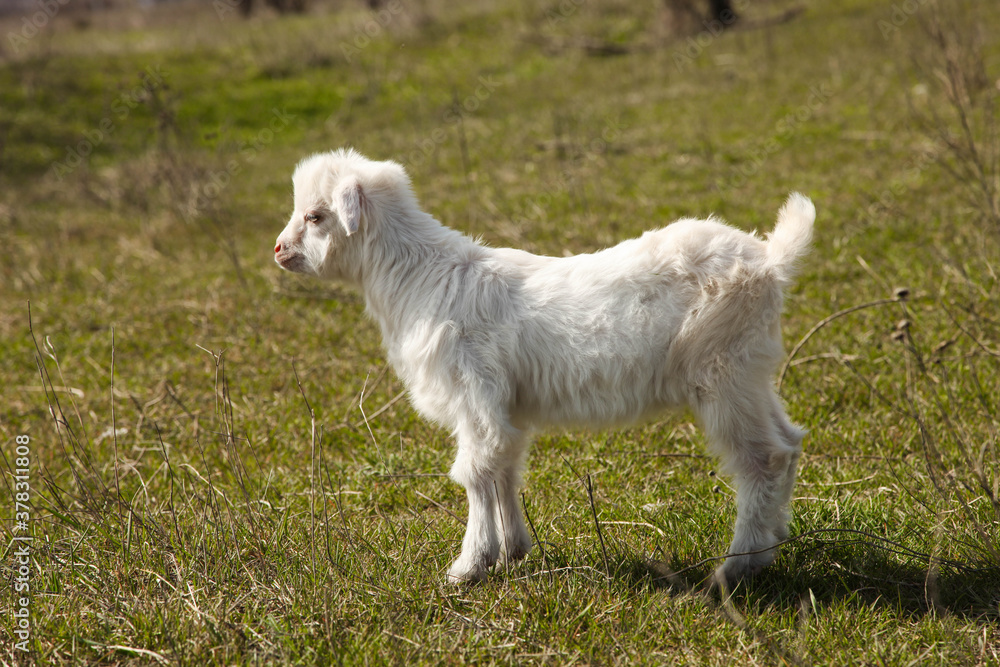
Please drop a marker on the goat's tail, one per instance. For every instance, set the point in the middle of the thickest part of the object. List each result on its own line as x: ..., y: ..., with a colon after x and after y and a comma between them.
x: 791, y: 236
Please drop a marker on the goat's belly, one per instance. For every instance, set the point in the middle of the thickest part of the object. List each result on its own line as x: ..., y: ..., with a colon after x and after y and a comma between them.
x: 619, y: 398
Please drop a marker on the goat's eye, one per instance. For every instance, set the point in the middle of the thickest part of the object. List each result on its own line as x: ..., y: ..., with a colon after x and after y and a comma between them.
x: 312, y: 217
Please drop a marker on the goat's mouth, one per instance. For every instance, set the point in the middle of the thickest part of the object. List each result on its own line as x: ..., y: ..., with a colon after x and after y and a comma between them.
x: 291, y: 261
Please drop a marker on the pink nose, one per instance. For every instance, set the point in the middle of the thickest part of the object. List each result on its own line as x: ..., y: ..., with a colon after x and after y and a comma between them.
x: 277, y: 248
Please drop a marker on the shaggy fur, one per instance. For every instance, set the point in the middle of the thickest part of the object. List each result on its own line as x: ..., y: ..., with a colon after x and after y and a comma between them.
x: 494, y: 343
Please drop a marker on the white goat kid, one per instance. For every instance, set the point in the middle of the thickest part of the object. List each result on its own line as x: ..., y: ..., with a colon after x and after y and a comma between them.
x: 494, y: 343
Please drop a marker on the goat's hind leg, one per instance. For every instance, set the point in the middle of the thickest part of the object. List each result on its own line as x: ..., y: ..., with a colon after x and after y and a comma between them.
x: 760, y: 449
x: 792, y: 437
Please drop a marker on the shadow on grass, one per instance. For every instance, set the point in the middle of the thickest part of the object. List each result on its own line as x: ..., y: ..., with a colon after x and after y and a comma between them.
x: 852, y: 571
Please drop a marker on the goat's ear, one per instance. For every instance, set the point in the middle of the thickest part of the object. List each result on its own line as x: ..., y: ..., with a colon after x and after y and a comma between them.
x: 348, y: 199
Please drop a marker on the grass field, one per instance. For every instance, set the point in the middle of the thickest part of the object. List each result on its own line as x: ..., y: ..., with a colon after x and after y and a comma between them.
x: 220, y: 469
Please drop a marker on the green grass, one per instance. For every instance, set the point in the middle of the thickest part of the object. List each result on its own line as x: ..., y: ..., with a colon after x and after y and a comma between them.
x: 224, y: 525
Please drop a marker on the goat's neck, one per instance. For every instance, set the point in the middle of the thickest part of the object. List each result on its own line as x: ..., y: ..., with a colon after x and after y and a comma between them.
x: 408, y: 268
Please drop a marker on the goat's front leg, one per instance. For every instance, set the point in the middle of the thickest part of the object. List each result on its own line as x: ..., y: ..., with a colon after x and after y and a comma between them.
x: 515, y: 543
x: 475, y: 469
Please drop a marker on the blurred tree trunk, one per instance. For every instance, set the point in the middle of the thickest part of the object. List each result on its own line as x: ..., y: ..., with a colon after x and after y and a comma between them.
x: 282, y: 6
x: 686, y: 17
x: 722, y: 10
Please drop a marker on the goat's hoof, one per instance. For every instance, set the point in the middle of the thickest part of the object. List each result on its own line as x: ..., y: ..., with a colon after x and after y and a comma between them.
x: 464, y: 574
x: 515, y: 553
x: 743, y: 567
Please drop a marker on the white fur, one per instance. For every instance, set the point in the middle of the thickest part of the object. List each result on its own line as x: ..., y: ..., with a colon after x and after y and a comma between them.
x: 494, y: 343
